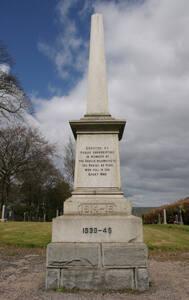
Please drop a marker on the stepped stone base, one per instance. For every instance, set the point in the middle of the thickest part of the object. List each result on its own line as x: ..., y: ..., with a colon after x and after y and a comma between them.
x: 94, y: 266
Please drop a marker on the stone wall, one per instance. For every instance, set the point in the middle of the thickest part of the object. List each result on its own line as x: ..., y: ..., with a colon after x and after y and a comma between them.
x: 94, y: 266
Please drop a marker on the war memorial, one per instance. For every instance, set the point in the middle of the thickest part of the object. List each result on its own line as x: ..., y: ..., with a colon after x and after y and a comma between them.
x: 97, y: 244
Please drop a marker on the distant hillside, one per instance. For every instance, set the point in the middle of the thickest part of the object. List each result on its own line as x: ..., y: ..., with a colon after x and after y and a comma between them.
x: 177, y: 212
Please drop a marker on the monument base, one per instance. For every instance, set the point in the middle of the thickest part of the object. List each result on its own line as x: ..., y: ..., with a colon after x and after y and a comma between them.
x: 97, y: 229
x: 97, y: 266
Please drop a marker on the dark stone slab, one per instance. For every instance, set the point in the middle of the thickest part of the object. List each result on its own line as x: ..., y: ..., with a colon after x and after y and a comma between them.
x: 84, y: 279
x: 94, y: 266
x: 73, y: 254
x: 52, y: 278
x: 124, y: 255
x: 142, y: 279
x: 119, y: 279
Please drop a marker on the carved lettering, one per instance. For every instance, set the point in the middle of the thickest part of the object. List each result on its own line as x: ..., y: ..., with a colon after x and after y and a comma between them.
x: 93, y: 208
x: 90, y: 230
x: 97, y: 161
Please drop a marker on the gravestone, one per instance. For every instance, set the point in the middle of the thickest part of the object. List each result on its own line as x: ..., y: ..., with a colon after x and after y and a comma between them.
x: 97, y: 243
x: 159, y: 219
x: 3, y: 219
x: 164, y: 216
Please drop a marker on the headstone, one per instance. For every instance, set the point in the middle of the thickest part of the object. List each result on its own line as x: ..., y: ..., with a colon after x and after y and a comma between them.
x: 176, y: 219
x: 97, y: 243
x: 159, y: 219
x: 181, y: 218
x: 3, y: 219
x: 10, y: 214
x: 164, y: 216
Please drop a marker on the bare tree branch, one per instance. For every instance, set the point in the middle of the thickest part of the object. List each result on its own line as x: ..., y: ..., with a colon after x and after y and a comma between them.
x: 13, y: 100
x: 69, y: 161
x: 21, y: 149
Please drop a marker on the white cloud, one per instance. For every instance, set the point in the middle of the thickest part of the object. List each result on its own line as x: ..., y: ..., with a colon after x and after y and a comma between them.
x: 68, y: 52
x: 5, y: 68
x: 52, y: 116
x: 147, y: 50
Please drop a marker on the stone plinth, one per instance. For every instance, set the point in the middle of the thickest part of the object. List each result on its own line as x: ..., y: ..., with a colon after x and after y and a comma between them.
x: 97, y: 229
x: 97, y: 266
x: 93, y: 252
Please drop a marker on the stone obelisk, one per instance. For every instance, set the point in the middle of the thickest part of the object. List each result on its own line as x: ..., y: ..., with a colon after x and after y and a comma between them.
x: 97, y: 243
x: 97, y: 94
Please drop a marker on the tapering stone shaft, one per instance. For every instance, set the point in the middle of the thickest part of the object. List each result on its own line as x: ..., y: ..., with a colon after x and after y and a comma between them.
x: 97, y: 95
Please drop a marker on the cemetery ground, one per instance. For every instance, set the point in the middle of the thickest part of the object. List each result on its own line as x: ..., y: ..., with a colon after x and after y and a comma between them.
x: 22, y: 264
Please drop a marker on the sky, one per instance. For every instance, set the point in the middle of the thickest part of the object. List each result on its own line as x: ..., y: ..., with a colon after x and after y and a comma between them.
x: 147, y: 54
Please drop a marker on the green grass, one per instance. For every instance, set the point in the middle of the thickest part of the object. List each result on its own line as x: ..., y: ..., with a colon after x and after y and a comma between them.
x: 25, y: 234
x: 38, y: 234
x: 167, y: 237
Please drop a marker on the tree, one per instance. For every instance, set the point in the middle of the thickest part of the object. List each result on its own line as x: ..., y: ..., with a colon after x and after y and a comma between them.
x: 42, y: 191
x: 69, y: 161
x: 39, y: 193
x: 21, y: 149
x: 13, y: 100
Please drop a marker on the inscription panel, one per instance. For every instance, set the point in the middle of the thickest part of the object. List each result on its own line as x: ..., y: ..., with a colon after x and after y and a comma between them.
x: 97, y: 161
x: 96, y: 208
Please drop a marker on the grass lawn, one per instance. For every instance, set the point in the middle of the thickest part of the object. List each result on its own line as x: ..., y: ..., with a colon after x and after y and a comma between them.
x: 25, y: 234
x: 38, y: 234
x: 167, y: 237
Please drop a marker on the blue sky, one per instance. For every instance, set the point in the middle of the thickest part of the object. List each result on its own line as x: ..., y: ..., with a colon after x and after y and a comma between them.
x: 147, y: 53
x: 26, y: 24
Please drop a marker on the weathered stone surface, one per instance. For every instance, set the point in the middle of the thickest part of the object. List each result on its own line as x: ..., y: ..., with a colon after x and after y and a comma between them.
x: 73, y: 254
x: 97, y: 229
x: 91, y: 279
x: 124, y: 255
x: 142, y: 279
x: 52, y: 278
x: 87, y: 279
x: 93, y: 266
x: 118, y: 279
